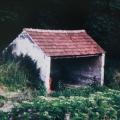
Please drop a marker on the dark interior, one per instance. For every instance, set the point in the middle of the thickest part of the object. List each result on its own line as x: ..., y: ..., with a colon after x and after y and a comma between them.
x: 75, y: 71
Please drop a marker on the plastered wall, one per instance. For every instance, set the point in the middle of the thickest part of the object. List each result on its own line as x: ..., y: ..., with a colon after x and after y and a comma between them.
x: 23, y: 45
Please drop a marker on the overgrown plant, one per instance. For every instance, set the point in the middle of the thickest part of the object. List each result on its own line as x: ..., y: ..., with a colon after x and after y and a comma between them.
x: 12, y: 76
x: 33, y: 74
x: 98, y: 106
x: 21, y: 73
x: 81, y: 91
x: 112, y: 74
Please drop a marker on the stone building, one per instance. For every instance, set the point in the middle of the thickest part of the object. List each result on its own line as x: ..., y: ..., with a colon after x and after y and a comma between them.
x: 71, y: 56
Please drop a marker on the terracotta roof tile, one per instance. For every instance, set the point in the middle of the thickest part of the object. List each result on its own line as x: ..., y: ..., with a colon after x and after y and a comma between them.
x: 65, y: 42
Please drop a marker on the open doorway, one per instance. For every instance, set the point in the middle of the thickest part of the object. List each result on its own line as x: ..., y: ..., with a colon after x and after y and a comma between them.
x: 75, y: 71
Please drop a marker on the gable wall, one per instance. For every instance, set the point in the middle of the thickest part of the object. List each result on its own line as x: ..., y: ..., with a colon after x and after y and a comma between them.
x: 23, y: 45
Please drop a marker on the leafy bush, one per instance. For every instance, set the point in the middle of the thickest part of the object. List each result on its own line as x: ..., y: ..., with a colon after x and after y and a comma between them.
x: 21, y: 73
x: 99, y: 105
x: 33, y: 74
x: 114, y: 78
x: 2, y: 100
x: 112, y: 74
x: 3, y: 115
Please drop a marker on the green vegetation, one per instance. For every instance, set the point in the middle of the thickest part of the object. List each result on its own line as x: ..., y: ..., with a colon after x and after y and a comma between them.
x: 12, y: 76
x: 3, y: 115
x: 97, y: 105
x: 93, y: 103
x: 82, y: 91
x: 2, y: 100
x: 20, y: 75
x: 112, y: 74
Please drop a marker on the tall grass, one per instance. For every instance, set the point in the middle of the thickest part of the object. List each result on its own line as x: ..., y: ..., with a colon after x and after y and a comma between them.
x: 12, y: 76
x: 21, y: 73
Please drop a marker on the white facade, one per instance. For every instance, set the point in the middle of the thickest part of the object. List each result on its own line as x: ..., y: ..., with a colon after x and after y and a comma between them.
x: 23, y: 45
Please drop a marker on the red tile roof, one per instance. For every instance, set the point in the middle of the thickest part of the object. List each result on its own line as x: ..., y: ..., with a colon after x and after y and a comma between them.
x: 65, y: 42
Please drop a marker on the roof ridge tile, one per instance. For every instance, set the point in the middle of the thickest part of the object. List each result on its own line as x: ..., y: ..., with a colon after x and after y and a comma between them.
x: 55, y: 31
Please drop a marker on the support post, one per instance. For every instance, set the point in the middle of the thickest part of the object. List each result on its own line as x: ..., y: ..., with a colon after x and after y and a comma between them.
x: 102, y: 68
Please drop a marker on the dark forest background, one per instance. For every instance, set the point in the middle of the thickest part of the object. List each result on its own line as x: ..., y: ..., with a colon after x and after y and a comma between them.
x: 101, y: 19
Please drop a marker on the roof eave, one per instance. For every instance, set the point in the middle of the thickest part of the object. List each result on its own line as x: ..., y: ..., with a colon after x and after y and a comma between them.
x: 75, y: 56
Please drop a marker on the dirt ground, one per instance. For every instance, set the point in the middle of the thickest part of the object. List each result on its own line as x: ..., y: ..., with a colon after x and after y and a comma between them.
x: 9, y: 102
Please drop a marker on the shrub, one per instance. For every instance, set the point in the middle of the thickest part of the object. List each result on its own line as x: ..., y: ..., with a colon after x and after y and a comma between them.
x: 12, y: 76
x: 78, y: 107
x: 97, y: 106
x: 3, y: 115
x: 2, y: 100
x: 112, y: 74
x: 33, y: 74
x: 21, y: 73
x: 116, y: 78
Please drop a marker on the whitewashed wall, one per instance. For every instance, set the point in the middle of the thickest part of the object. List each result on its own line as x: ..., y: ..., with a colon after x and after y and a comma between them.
x: 23, y: 45
x: 102, y: 58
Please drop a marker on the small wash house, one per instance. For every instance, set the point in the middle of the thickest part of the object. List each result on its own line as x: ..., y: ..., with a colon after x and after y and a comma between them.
x: 71, y: 56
